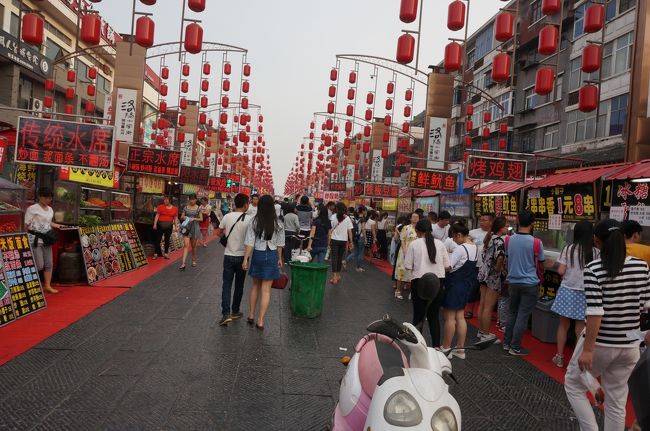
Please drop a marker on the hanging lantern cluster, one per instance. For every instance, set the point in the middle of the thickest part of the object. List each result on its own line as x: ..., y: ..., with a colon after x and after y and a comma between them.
x: 469, y: 125
x: 503, y: 131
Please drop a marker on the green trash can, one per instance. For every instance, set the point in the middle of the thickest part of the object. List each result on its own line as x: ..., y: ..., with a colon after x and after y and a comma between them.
x: 307, y: 288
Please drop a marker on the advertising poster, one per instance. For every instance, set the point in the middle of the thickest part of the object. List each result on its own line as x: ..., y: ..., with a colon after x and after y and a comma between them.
x: 125, y: 107
x: 631, y: 201
x: 187, y: 146
x: 93, y: 177
x: 436, y: 152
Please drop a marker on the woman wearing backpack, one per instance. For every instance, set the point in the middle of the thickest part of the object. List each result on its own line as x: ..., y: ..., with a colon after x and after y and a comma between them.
x: 320, y: 230
x: 403, y: 275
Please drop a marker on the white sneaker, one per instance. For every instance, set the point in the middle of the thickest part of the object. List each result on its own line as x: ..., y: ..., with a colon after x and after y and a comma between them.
x: 460, y: 354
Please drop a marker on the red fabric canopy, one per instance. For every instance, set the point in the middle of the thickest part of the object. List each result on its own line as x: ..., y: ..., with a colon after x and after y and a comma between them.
x: 500, y: 187
x: 632, y: 172
x: 577, y: 176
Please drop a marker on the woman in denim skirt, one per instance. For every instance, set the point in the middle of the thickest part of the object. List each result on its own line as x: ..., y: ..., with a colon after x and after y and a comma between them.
x: 263, y: 258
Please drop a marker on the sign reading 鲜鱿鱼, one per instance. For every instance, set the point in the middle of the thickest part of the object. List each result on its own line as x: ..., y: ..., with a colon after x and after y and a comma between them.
x: 153, y: 161
x: 375, y: 190
x: 64, y: 143
x: 631, y: 201
x: 573, y: 202
x: 194, y: 175
x: 21, y: 292
x: 338, y: 187
x: 429, y: 179
x: 187, y: 146
x: 491, y: 169
x: 436, y: 151
x: 93, y: 177
x: 125, y: 110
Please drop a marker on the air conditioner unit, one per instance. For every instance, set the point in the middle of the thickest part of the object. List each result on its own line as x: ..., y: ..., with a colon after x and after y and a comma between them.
x: 36, y: 105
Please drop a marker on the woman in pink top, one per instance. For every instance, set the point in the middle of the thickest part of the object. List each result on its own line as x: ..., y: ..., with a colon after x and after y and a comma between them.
x: 426, y: 255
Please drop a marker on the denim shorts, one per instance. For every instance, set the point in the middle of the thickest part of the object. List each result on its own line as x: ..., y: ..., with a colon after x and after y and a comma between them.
x: 264, y: 265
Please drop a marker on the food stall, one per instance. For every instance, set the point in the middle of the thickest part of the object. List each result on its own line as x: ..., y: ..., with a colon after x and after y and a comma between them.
x: 459, y: 204
x: 12, y: 207
x: 626, y: 195
x: 500, y: 199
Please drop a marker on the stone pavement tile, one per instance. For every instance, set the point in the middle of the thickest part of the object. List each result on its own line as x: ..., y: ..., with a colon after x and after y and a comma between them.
x: 161, y: 379
x: 72, y: 420
x: 305, y: 381
x: 516, y: 420
x: 126, y: 363
x: 252, y: 411
x: 195, y: 398
x: 262, y: 356
x: 468, y: 406
x: 539, y: 404
x: 474, y: 423
x: 65, y: 375
x: 307, y: 412
x: 477, y: 388
x: 33, y: 361
x: 25, y: 408
x: 211, y: 419
x: 75, y: 334
x: 153, y: 337
x: 258, y: 380
x: 13, y: 382
x: 100, y: 393
x: 302, y: 359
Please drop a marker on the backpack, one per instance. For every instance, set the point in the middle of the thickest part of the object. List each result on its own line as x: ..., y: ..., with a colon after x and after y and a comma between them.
x: 356, y: 233
x: 213, y: 218
x: 537, y: 248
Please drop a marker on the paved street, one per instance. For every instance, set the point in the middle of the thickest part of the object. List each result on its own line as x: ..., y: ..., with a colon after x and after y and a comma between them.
x: 154, y: 358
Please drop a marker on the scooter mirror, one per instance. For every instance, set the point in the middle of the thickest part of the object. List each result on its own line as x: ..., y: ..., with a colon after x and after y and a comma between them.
x: 428, y: 287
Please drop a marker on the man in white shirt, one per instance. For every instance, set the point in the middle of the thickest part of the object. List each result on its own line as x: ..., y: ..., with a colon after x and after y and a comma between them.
x: 252, y: 209
x: 233, y: 226
x: 441, y: 228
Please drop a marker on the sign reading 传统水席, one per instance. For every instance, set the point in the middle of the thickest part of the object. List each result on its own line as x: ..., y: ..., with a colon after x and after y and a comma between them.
x: 490, y: 169
x: 64, y: 143
x: 428, y: 179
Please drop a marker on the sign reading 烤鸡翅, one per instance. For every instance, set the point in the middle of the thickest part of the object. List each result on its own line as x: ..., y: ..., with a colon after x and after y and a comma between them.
x: 490, y: 169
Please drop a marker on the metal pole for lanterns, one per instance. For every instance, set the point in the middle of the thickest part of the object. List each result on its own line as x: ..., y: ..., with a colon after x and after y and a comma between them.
x: 417, y: 54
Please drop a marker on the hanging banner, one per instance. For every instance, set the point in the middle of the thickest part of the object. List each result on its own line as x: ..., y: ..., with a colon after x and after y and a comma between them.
x: 213, y: 164
x: 93, y: 177
x: 375, y: 190
x: 349, y: 176
x: 153, y: 161
x: 108, y: 107
x: 338, y: 187
x: 377, y: 166
x: 64, y: 143
x: 125, y: 106
x: 194, y: 175
x: 19, y: 278
x: 490, y: 169
x: 187, y: 146
x: 573, y: 202
x: 151, y: 185
x: 505, y: 205
x: 428, y: 179
x: 437, y: 134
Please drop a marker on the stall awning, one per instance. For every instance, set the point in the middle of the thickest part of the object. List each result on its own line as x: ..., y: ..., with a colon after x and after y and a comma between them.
x: 468, y: 184
x: 426, y: 194
x: 577, y: 176
x: 500, y: 187
x: 633, y: 171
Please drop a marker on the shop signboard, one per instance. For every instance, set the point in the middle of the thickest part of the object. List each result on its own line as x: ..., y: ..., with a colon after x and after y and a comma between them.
x: 491, y: 169
x: 631, y: 201
x: 64, y: 143
x: 21, y: 292
x: 499, y: 205
x: 376, y: 190
x: 226, y: 183
x: 151, y: 185
x: 428, y: 179
x: 436, y: 153
x: 187, y: 146
x: 389, y: 205
x: 331, y: 196
x: 125, y: 109
x: 110, y: 250
x: 93, y: 177
x: 213, y: 163
x: 194, y: 175
x: 338, y: 187
x: 573, y: 202
x: 153, y: 161
x: 377, y: 166
x: 24, y: 55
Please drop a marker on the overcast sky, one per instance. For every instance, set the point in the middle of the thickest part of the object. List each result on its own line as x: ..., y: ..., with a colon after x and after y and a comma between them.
x: 292, y: 46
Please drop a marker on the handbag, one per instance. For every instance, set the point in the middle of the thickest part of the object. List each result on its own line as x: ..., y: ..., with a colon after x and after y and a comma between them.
x: 280, y: 283
x: 49, y: 238
x: 224, y: 239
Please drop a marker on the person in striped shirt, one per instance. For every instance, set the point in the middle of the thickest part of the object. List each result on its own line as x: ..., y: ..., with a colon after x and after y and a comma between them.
x: 617, y: 288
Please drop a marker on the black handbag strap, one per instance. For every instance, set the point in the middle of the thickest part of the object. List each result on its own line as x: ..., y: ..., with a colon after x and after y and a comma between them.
x: 233, y: 226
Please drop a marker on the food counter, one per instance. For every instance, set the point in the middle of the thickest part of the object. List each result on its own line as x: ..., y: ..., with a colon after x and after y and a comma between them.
x: 12, y: 207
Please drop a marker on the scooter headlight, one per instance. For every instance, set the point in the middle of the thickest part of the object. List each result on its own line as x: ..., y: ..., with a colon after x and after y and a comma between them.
x: 402, y: 410
x: 444, y: 420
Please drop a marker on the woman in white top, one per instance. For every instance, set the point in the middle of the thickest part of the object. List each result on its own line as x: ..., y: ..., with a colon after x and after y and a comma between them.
x: 426, y: 255
x: 340, y: 239
x: 370, y: 229
x: 570, y: 302
x: 458, y: 285
x: 382, y: 237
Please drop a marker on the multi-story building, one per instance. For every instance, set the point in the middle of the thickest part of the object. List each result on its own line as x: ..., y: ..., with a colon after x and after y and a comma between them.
x: 550, y: 125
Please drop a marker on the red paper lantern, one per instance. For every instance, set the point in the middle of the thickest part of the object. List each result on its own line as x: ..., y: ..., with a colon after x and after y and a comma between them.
x: 503, y: 144
x: 71, y: 75
x: 68, y: 109
x: 330, y: 108
x: 48, y: 101
x: 162, y: 107
x: 144, y: 31
x: 468, y: 141
x: 163, y: 89
x: 588, y: 98
x: 389, y: 104
x: 185, y: 86
x: 594, y: 18
x: 485, y: 146
x: 185, y: 69
x: 223, y: 135
x: 456, y: 15
x: 244, y: 103
x: 501, y: 67
x: 387, y: 120
x: 206, y: 68
x: 91, y: 25
x: 407, y: 111
x: 487, y: 116
x: 469, y: 110
x: 334, y: 74
x: 69, y: 93
x: 351, y: 94
x: 370, y: 98
x: 205, y: 85
x: 92, y: 72
x: 204, y: 102
x: 385, y: 137
x: 366, y: 131
x: 225, y: 101
x: 548, y: 40
x: 180, y: 136
x: 247, y: 70
x: 453, y: 56
x: 148, y: 2
x: 182, y: 120
x: 503, y: 128
x: 162, y: 123
x: 49, y: 84
x: 353, y: 77
x: 329, y: 124
x: 384, y: 153
x: 183, y: 103
x: 348, y: 127
x: 408, y: 95
x: 368, y: 115
x: 405, y: 48
x: 201, y: 135
x: 366, y: 147
x: 332, y: 91
x: 591, y: 56
x: 193, y: 38
x: 225, y: 85
x: 350, y: 110
x: 223, y: 118
x: 551, y: 7
x: 260, y: 119
x: 227, y: 69
x: 408, y: 10
x: 90, y: 90
x: 245, y: 87
x: 544, y: 81
x: 90, y: 107
x: 160, y: 140
x: 390, y: 88
x: 469, y: 125
x: 31, y: 30
x: 406, y: 126
x: 196, y: 5
x: 505, y: 24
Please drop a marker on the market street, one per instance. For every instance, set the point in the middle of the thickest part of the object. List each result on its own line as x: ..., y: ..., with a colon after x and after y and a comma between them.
x: 154, y: 358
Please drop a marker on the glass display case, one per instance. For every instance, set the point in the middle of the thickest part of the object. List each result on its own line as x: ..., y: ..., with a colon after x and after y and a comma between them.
x: 121, y: 206
x: 12, y: 206
x: 146, y: 204
x: 64, y: 202
x: 93, y: 206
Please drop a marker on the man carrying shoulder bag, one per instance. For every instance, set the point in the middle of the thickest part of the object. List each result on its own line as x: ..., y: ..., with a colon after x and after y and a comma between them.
x: 233, y: 230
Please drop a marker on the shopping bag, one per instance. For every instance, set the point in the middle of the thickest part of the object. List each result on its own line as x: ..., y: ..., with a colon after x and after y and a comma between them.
x: 280, y: 283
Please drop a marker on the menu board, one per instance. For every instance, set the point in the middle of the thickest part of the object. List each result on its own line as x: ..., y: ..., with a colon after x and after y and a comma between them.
x: 20, y: 288
x: 630, y: 201
x: 573, y: 202
x: 428, y: 179
x: 490, y: 169
x: 110, y: 250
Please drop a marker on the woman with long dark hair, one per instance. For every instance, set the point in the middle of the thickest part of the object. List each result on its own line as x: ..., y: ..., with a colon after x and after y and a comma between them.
x: 190, y: 218
x: 570, y: 302
x: 426, y: 255
x: 263, y: 258
x: 492, y: 274
x: 382, y: 238
x: 340, y: 239
x: 617, y: 288
x: 320, y: 229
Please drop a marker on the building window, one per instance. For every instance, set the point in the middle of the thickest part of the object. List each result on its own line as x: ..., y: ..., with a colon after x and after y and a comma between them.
x: 58, y: 33
x: 103, y: 84
x: 617, y: 55
x: 458, y: 95
x: 25, y: 92
x: 484, y: 42
x: 579, y: 20
x: 528, y: 142
x: 488, y: 79
x: 471, y: 57
x: 529, y: 98
x: 53, y: 50
x: 535, y: 11
x: 551, y: 137
x: 14, y: 25
x: 618, y: 114
x: 558, y: 87
x: 82, y: 72
x: 581, y: 126
x: 625, y: 5
x: 504, y: 100
x: 574, y: 74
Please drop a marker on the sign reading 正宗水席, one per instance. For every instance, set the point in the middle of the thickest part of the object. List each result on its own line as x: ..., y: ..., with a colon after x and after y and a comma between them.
x: 64, y: 143
x: 428, y: 179
x: 490, y: 169
x: 154, y: 161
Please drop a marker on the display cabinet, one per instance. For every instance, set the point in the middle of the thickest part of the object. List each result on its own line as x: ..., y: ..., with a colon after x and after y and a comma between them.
x: 12, y: 206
